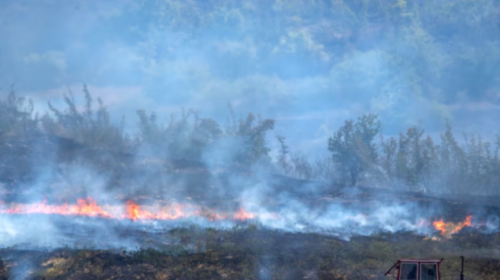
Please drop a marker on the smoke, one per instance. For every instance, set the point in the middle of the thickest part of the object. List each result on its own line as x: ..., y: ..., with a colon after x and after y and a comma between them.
x: 265, y: 269
x: 317, y: 64
x: 22, y: 270
x: 309, y: 211
x: 73, y: 194
x: 282, y: 65
x: 492, y: 223
x: 220, y: 200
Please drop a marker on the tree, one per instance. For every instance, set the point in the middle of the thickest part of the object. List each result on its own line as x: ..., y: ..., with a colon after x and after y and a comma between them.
x: 452, y: 161
x: 89, y: 127
x: 352, y: 147
x: 430, y: 162
x: 253, y: 139
x: 283, y: 155
x: 416, y: 163
x: 402, y: 158
x: 388, y: 161
x: 16, y: 115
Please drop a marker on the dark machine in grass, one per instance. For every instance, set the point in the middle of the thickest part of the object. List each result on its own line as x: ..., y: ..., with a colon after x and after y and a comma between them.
x: 420, y: 269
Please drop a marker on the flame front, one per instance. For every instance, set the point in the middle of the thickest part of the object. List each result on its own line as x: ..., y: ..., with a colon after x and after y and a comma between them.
x: 449, y: 228
x: 83, y: 207
x: 135, y: 212
x: 88, y: 207
x: 242, y: 215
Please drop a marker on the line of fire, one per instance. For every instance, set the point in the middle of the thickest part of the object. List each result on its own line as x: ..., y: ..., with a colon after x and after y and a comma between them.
x: 89, y: 208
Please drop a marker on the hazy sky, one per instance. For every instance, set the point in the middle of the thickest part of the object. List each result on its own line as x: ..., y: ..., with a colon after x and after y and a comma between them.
x: 138, y: 55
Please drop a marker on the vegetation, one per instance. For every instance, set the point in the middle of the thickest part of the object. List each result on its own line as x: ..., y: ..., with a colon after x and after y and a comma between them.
x: 432, y: 48
x: 253, y: 253
x: 87, y: 127
x: 414, y: 160
x: 358, y: 152
x: 352, y: 147
x: 426, y: 49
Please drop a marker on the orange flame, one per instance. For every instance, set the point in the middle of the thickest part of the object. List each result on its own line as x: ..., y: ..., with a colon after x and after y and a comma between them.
x: 173, y: 212
x: 216, y: 216
x: 132, y: 211
x: 88, y: 207
x: 450, y: 228
x: 83, y: 207
x: 242, y: 215
x: 421, y: 223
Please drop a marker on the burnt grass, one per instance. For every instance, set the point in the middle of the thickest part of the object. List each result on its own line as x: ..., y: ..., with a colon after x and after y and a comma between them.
x: 251, y: 252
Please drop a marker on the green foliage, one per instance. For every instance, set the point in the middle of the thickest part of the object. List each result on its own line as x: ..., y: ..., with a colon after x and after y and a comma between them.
x: 190, y: 136
x: 420, y: 164
x: 174, y: 140
x: 19, y: 135
x: 90, y: 128
x: 425, y: 48
x: 414, y: 161
x: 353, y: 149
x: 87, y: 134
x: 16, y: 115
x: 283, y: 155
x: 252, y: 137
x: 301, y: 166
x: 388, y: 158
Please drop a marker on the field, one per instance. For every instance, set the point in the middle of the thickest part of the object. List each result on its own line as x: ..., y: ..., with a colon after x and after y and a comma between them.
x: 248, y: 250
x: 253, y: 253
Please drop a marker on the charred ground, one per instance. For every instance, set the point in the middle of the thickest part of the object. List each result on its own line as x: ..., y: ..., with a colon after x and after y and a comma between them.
x: 249, y: 251
x: 253, y: 253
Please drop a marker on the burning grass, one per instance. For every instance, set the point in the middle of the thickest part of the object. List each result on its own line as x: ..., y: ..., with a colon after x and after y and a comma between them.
x: 182, y: 211
x: 255, y: 253
x: 131, y: 211
x: 450, y: 228
x: 170, y: 240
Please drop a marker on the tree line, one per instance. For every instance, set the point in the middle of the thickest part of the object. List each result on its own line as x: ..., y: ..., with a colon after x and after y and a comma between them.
x: 415, y: 160
x: 356, y: 154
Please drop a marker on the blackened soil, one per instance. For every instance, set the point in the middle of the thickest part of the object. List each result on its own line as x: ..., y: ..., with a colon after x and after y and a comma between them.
x: 253, y: 253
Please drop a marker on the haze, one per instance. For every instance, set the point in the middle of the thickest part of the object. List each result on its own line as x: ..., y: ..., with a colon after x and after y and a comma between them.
x: 309, y: 65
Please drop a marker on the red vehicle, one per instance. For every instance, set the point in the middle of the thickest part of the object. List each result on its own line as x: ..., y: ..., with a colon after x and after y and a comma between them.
x: 420, y: 269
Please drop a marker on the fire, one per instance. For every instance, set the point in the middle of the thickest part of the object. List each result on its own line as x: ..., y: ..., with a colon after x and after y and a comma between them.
x: 450, y: 228
x: 83, y: 207
x: 215, y: 216
x: 242, y: 215
x: 132, y: 211
x: 175, y: 211
x: 172, y: 212
x: 421, y: 223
